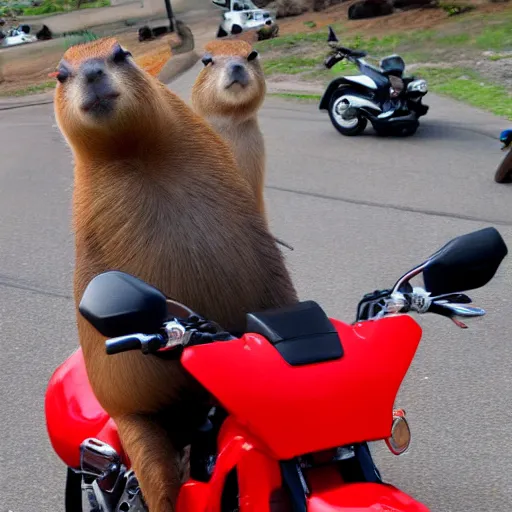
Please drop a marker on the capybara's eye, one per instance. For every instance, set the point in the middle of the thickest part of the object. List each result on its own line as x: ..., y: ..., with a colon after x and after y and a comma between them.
x: 120, y: 55
x: 252, y: 56
x: 207, y: 59
x: 62, y: 75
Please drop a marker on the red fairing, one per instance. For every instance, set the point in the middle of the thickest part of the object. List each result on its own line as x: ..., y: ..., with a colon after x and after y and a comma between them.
x: 313, y: 410
x: 330, y: 494
x: 73, y: 414
x: 303, y: 409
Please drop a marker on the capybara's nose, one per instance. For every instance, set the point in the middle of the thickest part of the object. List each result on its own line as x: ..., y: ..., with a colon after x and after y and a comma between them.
x: 239, y: 74
x: 93, y: 71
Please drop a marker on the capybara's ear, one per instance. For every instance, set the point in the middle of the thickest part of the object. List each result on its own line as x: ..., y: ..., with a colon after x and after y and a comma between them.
x: 154, y: 61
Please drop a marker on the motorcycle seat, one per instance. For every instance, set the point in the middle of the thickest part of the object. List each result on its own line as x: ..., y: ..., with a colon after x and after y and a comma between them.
x: 73, y: 413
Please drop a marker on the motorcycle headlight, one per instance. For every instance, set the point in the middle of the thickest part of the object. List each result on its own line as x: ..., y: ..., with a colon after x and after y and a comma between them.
x: 418, y: 86
x: 400, y: 438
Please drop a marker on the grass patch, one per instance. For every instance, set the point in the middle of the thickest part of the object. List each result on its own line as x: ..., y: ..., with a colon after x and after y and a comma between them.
x: 32, y: 89
x: 495, y: 58
x: 454, y: 9
x: 496, y: 37
x: 49, y: 7
x: 296, y: 96
x: 466, y: 85
x: 79, y: 37
x: 291, y: 65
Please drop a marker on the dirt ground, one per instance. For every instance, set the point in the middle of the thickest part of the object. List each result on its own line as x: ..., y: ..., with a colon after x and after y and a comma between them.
x: 423, y: 18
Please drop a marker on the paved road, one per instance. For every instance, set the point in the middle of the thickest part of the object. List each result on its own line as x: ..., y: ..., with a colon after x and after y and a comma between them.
x: 358, y: 212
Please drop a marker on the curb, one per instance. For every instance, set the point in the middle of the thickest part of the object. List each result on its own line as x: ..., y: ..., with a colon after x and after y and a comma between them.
x: 26, y: 101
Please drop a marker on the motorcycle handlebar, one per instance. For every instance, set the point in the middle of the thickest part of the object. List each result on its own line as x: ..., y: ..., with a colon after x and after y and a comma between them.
x: 148, y: 343
x: 386, y: 302
x: 176, y: 334
x: 348, y: 52
x: 182, y: 333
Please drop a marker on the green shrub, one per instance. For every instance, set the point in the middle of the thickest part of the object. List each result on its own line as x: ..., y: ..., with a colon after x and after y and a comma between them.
x: 79, y: 37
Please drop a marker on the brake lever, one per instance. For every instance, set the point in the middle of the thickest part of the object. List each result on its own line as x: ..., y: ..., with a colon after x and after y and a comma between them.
x: 452, y: 310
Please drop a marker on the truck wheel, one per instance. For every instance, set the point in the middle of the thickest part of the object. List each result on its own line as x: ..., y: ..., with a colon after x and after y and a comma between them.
x: 236, y: 29
x: 346, y: 125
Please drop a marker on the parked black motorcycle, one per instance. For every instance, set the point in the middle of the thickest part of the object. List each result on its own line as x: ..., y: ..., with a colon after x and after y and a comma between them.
x: 383, y: 96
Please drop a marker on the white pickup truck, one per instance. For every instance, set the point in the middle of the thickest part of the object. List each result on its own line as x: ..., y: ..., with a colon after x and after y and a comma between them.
x: 241, y: 15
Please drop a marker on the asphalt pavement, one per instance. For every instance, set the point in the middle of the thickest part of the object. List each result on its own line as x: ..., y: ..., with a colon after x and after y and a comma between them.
x: 359, y: 212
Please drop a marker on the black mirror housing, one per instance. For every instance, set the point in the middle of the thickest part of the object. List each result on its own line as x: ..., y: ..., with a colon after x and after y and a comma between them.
x: 467, y: 262
x: 118, y: 304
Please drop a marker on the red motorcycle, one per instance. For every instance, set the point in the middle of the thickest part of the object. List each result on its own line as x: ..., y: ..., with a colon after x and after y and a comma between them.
x: 299, y: 395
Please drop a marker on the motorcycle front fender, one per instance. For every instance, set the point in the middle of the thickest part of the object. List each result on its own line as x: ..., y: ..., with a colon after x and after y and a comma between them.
x: 326, y: 98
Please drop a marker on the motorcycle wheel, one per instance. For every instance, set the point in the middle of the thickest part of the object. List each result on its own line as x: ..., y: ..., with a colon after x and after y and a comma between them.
x: 348, y: 127
x: 504, y: 171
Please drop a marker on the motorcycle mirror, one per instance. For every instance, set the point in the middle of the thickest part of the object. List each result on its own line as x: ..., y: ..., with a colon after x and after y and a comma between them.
x: 118, y: 304
x: 332, y: 36
x: 465, y: 263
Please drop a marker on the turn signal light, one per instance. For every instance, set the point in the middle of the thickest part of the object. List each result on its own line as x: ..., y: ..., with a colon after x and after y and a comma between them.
x: 400, y: 438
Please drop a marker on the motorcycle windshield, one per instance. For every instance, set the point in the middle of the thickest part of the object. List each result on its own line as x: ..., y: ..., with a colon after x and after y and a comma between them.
x: 295, y: 410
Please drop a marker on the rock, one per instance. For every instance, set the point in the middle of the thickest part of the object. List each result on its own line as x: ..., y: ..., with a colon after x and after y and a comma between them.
x: 145, y: 34
x: 285, y: 8
x: 44, y: 34
x: 369, y: 9
x: 411, y: 4
x: 160, y: 31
